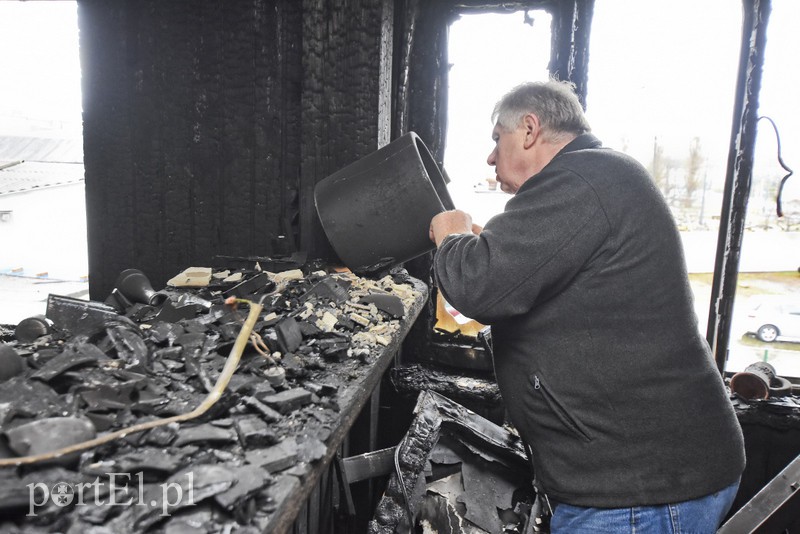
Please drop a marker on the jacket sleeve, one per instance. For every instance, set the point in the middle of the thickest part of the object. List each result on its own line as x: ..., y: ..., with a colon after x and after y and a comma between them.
x: 547, y: 234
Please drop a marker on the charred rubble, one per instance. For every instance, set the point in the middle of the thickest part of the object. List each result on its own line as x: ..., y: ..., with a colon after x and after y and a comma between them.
x: 87, y: 369
x: 457, y: 472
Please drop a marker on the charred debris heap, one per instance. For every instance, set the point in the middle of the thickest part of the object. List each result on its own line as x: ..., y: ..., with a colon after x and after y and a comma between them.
x: 88, y: 369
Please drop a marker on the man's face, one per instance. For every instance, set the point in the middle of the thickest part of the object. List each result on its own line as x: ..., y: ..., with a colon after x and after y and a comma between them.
x: 508, y: 158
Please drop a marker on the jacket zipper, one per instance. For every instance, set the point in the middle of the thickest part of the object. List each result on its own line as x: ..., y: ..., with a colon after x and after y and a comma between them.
x: 558, y: 409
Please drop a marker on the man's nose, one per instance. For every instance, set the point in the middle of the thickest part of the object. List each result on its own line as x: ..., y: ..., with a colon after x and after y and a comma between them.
x: 492, y: 158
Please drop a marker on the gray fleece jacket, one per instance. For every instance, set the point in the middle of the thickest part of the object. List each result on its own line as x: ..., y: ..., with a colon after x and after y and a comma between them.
x: 596, y: 344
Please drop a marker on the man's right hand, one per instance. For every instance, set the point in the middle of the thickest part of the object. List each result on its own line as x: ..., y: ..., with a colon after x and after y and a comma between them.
x: 451, y: 222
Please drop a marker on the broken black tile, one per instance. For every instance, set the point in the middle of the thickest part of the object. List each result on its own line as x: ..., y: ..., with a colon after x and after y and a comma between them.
x: 170, y: 313
x: 229, y: 331
x: 162, y: 436
x: 310, y: 448
x: 30, y: 398
x: 260, y: 283
x: 346, y: 322
x: 322, y: 390
x: 165, y: 332
x: 127, y: 342
x: 289, y: 400
x: 275, y: 458
x: 309, y: 329
x: 63, y: 362
x: 187, y: 299
x: 390, y: 304
x: 248, y: 481
x: 205, y: 433
x: 50, y: 434
x: 333, y: 346
x: 11, y: 363
x: 329, y: 289
x: 142, y: 313
x: 101, y: 421
x: 194, y: 325
x: 254, y: 432
x: 78, y: 316
x: 104, y: 398
x: 264, y: 411
x: 261, y: 389
x: 254, y: 364
x: 197, y: 518
x: 289, y: 335
x: 152, y: 462
x: 191, y: 340
x: 15, y: 490
x: 246, y: 384
x: 195, y: 369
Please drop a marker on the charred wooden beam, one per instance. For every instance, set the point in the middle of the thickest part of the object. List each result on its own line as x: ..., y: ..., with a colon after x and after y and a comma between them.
x: 737, y: 177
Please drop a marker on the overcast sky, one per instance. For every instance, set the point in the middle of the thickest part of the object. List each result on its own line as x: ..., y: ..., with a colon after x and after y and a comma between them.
x: 40, y: 62
x: 658, y: 68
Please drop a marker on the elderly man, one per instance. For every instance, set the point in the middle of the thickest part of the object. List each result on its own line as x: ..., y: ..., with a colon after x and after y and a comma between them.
x: 597, y: 351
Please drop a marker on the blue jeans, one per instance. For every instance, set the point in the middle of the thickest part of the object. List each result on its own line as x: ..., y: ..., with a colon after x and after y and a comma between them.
x: 698, y: 516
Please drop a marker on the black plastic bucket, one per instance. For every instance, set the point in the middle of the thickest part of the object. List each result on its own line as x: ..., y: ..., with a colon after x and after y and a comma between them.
x: 376, y: 211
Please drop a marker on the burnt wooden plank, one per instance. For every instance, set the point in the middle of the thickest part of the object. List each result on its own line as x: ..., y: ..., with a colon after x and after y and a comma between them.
x: 341, y: 96
x: 314, y: 505
x: 146, y: 142
x: 291, y: 52
x: 237, y: 155
x: 205, y: 112
x: 107, y: 135
x: 175, y: 81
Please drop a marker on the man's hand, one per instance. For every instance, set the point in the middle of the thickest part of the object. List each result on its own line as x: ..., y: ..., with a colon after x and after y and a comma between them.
x: 451, y: 222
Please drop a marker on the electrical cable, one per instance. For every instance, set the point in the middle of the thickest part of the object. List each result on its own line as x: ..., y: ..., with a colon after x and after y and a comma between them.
x: 214, y: 395
x: 403, y: 484
x: 782, y: 164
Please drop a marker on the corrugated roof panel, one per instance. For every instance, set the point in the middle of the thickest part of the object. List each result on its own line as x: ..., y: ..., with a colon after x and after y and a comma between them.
x: 30, y: 175
x: 66, y: 150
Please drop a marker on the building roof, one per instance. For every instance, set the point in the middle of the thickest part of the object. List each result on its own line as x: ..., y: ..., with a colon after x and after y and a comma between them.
x: 34, y: 148
x: 23, y: 176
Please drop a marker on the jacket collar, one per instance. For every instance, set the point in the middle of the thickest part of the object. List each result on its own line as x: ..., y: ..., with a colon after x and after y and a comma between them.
x: 581, y: 142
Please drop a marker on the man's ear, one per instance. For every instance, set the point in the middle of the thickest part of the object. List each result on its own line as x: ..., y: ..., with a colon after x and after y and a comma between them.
x: 532, y: 129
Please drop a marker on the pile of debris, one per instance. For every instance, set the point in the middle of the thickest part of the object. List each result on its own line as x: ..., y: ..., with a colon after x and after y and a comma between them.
x: 88, y: 369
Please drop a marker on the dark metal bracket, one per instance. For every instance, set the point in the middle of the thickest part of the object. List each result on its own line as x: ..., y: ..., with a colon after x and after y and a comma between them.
x: 773, y: 509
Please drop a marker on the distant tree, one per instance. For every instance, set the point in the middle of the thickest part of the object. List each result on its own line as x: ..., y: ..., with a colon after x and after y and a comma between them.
x: 659, y: 169
x: 694, y: 180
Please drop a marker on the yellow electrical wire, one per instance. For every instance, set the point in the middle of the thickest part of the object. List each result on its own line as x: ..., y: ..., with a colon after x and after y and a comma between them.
x: 213, y: 396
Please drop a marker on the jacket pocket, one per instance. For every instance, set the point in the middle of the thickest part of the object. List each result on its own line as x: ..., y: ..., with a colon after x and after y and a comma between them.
x: 557, y: 407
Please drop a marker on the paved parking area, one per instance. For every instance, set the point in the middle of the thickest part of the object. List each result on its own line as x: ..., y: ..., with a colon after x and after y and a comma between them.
x: 22, y: 297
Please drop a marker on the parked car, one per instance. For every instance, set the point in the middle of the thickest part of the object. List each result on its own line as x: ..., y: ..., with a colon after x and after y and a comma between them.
x: 771, y: 320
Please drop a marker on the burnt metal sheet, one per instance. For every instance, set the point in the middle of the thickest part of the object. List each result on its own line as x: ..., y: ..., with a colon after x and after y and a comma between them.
x: 457, y: 468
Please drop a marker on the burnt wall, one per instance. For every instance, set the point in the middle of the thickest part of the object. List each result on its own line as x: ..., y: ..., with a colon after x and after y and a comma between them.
x: 207, y: 124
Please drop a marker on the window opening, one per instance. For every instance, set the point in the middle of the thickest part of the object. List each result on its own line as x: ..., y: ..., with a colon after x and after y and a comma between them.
x: 662, y: 91
x: 43, y: 231
x: 513, y: 48
x: 764, y: 325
